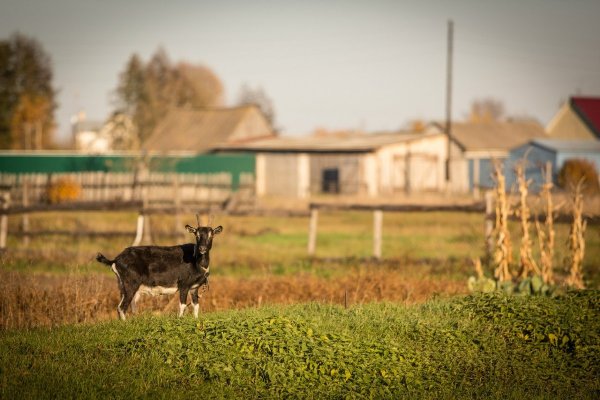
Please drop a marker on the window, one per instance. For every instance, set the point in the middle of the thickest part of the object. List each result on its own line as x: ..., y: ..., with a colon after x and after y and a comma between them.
x: 330, y: 182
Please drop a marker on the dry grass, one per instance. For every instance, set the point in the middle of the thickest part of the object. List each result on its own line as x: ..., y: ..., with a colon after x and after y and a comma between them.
x: 29, y: 300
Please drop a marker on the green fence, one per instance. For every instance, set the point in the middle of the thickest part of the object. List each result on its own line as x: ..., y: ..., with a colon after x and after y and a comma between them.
x: 236, y: 165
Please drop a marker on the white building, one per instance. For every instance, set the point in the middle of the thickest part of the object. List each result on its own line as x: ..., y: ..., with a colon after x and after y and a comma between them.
x: 361, y: 164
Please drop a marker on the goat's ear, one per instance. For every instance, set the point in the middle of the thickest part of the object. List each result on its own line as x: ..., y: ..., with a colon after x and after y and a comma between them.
x: 190, y: 229
x: 217, y: 230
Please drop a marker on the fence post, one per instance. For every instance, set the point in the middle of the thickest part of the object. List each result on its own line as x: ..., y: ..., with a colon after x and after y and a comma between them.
x: 25, y: 220
x: 377, y: 235
x: 489, y: 222
x: 177, y: 203
x: 312, y: 231
x: 139, y: 232
x: 5, y: 200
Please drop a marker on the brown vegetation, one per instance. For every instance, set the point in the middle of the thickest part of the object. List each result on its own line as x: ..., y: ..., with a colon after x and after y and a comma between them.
x: 528, y: 265
x: 577, y: 240
x: 503, y: 245
x: 30, y: 300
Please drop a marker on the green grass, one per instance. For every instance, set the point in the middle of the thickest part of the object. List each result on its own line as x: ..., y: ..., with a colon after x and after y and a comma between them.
x: 487, y: 346
x: 260, y: 242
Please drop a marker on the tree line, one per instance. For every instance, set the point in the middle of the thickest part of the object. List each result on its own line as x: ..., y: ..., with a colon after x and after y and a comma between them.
x: 145, y: 92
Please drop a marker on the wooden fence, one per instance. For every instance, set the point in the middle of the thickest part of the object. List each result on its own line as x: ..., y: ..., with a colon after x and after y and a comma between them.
x: 486, y: 208
x: 29, y: 189
x: 171, y: 193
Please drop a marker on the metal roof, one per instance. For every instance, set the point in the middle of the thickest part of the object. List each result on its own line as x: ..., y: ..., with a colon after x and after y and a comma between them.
x: 357, y: 143
x: 588, y: 109
x: 567, y: 145
x: 495, y: 136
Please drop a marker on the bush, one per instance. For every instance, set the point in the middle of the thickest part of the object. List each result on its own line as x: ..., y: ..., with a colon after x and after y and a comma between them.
x: 63, y: 190
x: 573, y: 170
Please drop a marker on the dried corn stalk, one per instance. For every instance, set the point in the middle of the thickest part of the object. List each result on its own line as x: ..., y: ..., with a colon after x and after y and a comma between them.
x: 503, y: 246
x: 546, y: 234
x: 528, y: 264
x: 576, y: 240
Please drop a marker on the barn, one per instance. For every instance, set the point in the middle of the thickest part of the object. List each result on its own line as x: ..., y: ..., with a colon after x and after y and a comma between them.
x: 539, y: 152
x: 352, y: 164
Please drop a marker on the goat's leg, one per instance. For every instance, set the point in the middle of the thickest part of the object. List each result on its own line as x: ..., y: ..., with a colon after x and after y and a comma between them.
x: 127, y: 296
x: 136, y: 297
x: 183, y: 293
x: 195, y: 302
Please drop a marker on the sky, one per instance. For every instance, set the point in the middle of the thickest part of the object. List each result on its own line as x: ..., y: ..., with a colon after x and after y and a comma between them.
x: 366, y: 65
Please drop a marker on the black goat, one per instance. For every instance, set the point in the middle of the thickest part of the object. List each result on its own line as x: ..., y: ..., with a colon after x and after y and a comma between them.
x: 164, y: 269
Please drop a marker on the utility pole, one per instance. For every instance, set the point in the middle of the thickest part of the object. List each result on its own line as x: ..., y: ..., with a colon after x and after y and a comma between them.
x: 449, y: 98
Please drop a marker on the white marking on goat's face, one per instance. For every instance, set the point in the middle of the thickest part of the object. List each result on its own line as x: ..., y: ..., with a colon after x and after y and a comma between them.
x: 204, y: 237
x: 156, y: 290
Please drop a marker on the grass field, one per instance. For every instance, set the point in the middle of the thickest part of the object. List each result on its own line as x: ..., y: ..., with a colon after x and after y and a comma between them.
x: 278, y: 324
x: 485, y: 346
x: 256, y: 261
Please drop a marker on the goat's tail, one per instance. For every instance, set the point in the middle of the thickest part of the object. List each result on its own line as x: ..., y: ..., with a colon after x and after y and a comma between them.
x: 104, y: 260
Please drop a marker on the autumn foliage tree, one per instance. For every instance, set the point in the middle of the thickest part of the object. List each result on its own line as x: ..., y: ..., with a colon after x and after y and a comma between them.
x: 146, y: 91
x: 486, y: 110
x: 258, y: 97
x: 27, y: 97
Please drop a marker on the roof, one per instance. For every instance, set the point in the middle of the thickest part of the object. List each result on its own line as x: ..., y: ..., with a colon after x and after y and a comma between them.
x: 201, y: 130
x: 588, y: 109
x: 357, y: 143
x: 566, y: 145
x: 495, y: 136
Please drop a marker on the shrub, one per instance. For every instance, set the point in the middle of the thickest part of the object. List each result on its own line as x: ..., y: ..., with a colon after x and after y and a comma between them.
x: 64, y: 189
x: 573, y: 170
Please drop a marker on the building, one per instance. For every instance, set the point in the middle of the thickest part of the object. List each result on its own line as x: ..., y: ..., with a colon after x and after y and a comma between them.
x: 540, y: 152
x: 86, y: 135
x: 199, y: 131
x: 578, y: 119
x: 355, y: 164
x: 476, y: 146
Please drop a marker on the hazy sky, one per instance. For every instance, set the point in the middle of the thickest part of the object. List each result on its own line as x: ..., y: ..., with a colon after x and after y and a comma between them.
x: 372, y: 65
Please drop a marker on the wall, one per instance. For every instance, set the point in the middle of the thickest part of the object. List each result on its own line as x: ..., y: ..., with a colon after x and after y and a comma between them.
x: 278, y: 174
x: 349, y: 169
x: 413, y: 165
x: 567, y: 125
x: 537, y: 157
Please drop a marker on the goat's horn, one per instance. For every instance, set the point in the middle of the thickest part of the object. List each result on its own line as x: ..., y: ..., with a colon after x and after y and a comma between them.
x: 198, y: 219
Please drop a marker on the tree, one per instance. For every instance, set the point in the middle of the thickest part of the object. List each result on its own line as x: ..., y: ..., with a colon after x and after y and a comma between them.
x: 27, y: 97
x: 259, y: 98
x: 147, y: 91
x: 486, y: 110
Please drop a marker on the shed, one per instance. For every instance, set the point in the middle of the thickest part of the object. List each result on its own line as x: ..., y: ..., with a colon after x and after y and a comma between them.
x: 556, y: 152
x: 475, y: 146
x: 198, y: 131
x: 356, y: 164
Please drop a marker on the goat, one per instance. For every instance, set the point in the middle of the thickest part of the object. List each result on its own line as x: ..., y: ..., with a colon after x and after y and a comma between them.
x: 164, y: 269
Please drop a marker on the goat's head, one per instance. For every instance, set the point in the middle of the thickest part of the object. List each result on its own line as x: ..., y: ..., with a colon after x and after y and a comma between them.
x: 204, y: 237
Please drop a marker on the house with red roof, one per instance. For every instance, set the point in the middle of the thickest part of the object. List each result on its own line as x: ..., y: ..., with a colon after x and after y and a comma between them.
x: 578, y: 119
